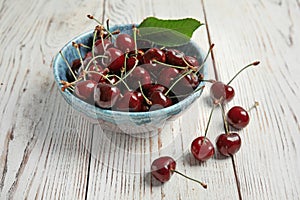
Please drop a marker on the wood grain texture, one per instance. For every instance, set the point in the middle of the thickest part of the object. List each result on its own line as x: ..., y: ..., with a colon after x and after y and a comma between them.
x: 47, y: 151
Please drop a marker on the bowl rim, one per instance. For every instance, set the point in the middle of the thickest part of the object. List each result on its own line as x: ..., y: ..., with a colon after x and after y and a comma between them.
x: 99, y: 111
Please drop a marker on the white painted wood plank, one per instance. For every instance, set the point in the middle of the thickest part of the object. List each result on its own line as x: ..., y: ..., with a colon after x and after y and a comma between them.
x: 266, y: 30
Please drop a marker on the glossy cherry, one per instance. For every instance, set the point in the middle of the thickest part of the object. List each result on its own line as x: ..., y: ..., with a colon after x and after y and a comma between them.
x: 202, y: 148
x: 228, y: 143
x: 175, y: 57
x: 125, y: 42
x: 85, y: 90
x: 138, y: 75
x: 221, y: 93
x: 106, y: 95
x: 238, y: 117
x: 154, y: 54
x: 159, y: 100
x: 191, y: 61
x: 114, y: 60
x: 167, y: 76
x: 164, y: 167
x: 131, y: 101
x: 101, y: 47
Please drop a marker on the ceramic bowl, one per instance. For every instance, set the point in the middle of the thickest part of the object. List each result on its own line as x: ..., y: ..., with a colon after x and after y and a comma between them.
x: 126, y: 122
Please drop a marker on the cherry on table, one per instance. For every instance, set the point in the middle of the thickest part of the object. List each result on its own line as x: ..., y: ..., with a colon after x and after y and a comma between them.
x: 202, y: 148
x: 228, y: 143
x: 164, y: 167
x: 238, y: 117
x: 221, y: 93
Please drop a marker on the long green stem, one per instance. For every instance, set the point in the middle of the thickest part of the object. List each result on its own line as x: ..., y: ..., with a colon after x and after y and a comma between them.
x: 249, y: 65
x: 209, y: 119
x: 185, y: 176
x: 67, y: 63
x: 96, y: 20
x: 168, y: 65
x: 224, y: 119
x: 204, y: 60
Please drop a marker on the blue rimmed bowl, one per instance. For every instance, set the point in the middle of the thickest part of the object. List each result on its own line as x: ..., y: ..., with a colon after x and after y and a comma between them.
x: 126, y: 122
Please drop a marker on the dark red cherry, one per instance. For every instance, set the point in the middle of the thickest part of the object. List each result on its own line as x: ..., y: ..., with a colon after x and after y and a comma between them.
x: 175, y: 57
x: 131, y: 101
x: 130, y: 63
x: 95, y: 73
x: 167, y: 76
x: 228, y: 144
x: 191, y: 61
x: 220, y: 92
x: 186, y: 85
x: 238, y: 117
x: 85, y: 90
x: 125, y: 42
x: 106, y: 95
x: 202, y: 148
x: 162, y: 168
x: 101, y: 47
x: 150, y: 88
x: 154, y: 54
x: 159, y: 100
x: 139, y: 74
x: 114, y: 60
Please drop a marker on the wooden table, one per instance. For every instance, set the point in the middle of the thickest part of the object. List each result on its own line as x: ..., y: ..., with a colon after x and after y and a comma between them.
x: 45, y: 147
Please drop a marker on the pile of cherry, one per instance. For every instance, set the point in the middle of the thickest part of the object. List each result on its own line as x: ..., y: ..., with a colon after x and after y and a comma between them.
x: 227, y: 143
x: 122, y: 73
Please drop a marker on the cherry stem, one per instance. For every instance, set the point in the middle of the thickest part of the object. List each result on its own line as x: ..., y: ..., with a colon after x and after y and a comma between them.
x: 209, y: 119
x: 181, y: 77
x: 168, y: 65
x: 96, y: 20
x: 146, y: 99
x: 93, y: 47
x: 121, y: 80
x: 92, y: 60
x: 249, y: 65
x: 64, y: 58
x: 79, y: 54
x: 185, y: 176
x: 224, y: 119
x: 123, y: 69
x: 204, y: 60
x: 127, y: 74
x: 254, y: 106
x: 134, y: 39
x: 84, y: 46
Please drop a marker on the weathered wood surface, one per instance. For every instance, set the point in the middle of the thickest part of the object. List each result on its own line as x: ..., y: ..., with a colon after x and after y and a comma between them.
x: 45, y: 147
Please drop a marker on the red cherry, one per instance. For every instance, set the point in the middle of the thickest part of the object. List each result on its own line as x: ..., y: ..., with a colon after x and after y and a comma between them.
x: 100, y: 48
x: 139, y: 74
x: 202, y: 148
x: 85, y: 90
x: 175, y: 57
x: 114, y: 59
x: 191, y: 61
x: 159, y: 100
x: 163, y: 168
x: 238, y: 117
x: 228, y: 144
x: 167, y: 76
x: 154, y: 54
x: 125, y: 43
x: 220, y: 92
x: 106, y: 95
x: 131, y: 101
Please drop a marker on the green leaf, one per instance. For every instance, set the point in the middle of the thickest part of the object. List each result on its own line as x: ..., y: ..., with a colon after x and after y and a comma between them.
x: 168, y: 32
